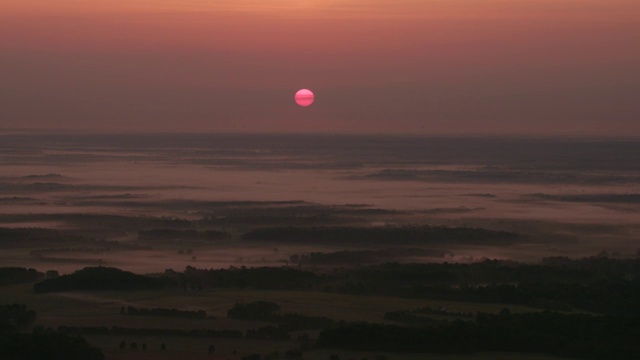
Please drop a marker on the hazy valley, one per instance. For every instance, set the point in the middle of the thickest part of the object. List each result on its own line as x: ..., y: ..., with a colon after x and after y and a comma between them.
x: 332, y: 232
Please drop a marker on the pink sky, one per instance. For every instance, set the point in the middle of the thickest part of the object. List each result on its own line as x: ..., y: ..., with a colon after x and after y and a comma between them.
x: 408, y: 66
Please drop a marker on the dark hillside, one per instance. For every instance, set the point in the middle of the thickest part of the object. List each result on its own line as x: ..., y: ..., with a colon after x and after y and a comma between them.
x: 99, y: 278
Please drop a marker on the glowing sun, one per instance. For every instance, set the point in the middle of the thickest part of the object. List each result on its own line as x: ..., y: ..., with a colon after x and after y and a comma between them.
x: 304, y: 97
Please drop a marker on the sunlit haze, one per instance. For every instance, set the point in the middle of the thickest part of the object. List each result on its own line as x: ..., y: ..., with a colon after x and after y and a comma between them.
x: 553, y: 67
x: 319, y: 179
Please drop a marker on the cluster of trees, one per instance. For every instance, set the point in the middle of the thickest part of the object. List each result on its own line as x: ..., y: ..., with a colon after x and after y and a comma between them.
x: 605, y: 285
x: 361, y: 256
x: 493, y: 271
x: 47, y: 344
x: 19, y: 275
x: 599, y: 284
x: 409, y: 318
x: 99, y: 278
x: 23, y: 235
x: 190, y: 314
x: 382, y: 235
x: 607, y: 297
x: 171, y: 234
x: 117, y: 330
x: 416, y: 317
x: 442, y: 311
x: 40, y: 343
x: 600, y: 266
x: 583, y: 336
x: 296, y: 322
x: 268, y: 311
x: 615, y: 298
x: 15, y: 317
x: 269, y: 332
x: 273, y: 278
x: 134, y: 346
x: 270, y: 217
x: 257, y: 310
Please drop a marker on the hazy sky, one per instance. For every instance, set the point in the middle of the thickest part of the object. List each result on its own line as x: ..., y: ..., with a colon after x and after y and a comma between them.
x: 403, y: 66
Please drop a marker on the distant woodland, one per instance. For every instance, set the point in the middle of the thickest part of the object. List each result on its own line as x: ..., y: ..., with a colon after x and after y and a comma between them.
x: 381, y: 235
x: 601, y: 292
x: 596, y: 284
x: 17, y: 344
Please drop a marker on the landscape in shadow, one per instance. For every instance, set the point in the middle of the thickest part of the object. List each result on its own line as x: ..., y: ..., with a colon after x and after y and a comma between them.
x: 318, y: 247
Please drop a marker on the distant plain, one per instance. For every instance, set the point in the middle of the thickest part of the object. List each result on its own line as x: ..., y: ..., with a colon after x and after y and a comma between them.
x: 152, y: 203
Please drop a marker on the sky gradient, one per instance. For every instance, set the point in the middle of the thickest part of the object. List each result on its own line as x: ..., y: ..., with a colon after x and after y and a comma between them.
x: 553, y: 67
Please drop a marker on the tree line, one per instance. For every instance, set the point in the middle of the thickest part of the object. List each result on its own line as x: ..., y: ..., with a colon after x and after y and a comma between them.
x: 41, y: 343
x: 598, y: 284
x: 166, y: 312
x: 272, y: 278
x: 269, y: 311
x: 118, y: 330
x: 99, y: 278
x: 171, y: 234
x: 19, y: 275
x: 361, y: 256
x: 577, y: 335
x: 419, y: 234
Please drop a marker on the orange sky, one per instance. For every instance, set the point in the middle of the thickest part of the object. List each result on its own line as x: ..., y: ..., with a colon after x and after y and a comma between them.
x: 410, y: 66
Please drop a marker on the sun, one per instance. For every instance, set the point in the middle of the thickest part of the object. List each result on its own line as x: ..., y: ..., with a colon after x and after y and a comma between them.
x: 304, y: 97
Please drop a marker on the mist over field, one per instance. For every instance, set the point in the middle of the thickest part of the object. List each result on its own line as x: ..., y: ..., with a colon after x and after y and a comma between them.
x: 319, y: 180
x: 426, y: 231
x: 567, y: 196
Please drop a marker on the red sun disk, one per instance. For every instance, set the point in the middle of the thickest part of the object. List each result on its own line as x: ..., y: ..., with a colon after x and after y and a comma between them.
x: 304, y: 97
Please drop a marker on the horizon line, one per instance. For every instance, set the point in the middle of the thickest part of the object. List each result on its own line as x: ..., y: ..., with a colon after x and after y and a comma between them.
x: 78, y: 132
